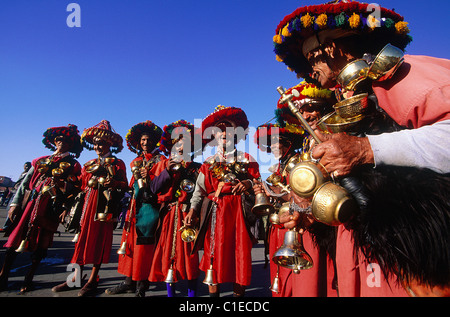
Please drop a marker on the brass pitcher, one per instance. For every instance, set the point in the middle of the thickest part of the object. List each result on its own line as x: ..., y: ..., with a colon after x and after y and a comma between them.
x: 306, y: 177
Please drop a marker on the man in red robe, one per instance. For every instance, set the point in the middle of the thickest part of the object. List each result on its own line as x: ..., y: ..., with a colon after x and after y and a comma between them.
x: 411, y: 96
x: 136, y: 253
x: 45, y: 196
x: 173, y: 180
x: 224, y: 186
x: 104, y: 182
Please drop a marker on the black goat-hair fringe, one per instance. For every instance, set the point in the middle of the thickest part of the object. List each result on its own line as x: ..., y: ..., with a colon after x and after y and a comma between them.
x: 404, y: 222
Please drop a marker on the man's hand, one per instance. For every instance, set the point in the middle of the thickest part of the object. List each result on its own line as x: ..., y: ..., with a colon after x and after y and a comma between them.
x: 241, y: 187
x: 13, y: 210
x: 340, y: 153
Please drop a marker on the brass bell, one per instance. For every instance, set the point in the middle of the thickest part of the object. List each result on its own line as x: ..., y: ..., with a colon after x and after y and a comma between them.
x: 170, y: 278
x: 275, y: 287
x: 292, y: 254
x: 22, y: 247
x: 262, y: 206
x: 122, y: 249
x: 210, y: 277
x: 75, y: 238
x: 274, y: 218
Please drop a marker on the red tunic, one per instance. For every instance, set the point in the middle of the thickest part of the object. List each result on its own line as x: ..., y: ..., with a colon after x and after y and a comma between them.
x: 232, y: 260
x: 185, y: 265
x: 136, y: 263
x: 41, y: 233
x: 95, y: 240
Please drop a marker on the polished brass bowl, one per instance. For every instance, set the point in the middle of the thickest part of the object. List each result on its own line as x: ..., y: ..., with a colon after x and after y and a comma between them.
x: 386, y: 63
x: 333, y: 123
x: 332, y: 204
x: 352, y: 74
x: 352, y: 107
x: 92, y: 168
x: 57, y: 172
x: 188, y: 234
x: 64, y: 165
x: 306, y: 177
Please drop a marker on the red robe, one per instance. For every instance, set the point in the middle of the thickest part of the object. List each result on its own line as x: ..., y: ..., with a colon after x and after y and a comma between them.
x: 95, y: 240
x: 185, y: 265
x: 232, y: 260
x: 136, y: 263
x: 41, y: 233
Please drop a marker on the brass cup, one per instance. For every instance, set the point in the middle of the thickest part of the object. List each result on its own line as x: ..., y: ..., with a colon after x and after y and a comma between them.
x: 187, y: 186
x: 64, y: 165
x: 93, y: 182
x: 352, y: 107
x: 386, y: 63
x: 352, y: 74
x: 42, y: 169
x: 57, y: 172
x: 92, y: 168
x: 49, y: 190
x: 332, y: 204
x: 333, y: 123
x: 188, y: 234
x: 306, y: 177
x: 104, y: 216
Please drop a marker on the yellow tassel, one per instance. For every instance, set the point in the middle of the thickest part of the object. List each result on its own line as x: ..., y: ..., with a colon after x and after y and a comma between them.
x: 354, y: 21
x: 285, y: 32
x: 277, y: 39
x: 307, y: 20
x: 402, y: 27
x: 321, y: 21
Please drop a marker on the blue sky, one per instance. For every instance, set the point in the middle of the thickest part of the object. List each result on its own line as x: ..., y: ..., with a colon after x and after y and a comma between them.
x: 137, y: 60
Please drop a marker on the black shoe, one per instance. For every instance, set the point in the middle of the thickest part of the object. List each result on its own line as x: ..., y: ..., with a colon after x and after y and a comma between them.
x: 120, y: 289
x: 89, y: 289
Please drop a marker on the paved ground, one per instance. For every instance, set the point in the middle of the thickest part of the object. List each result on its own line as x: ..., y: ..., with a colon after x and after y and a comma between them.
x: 54, y: 270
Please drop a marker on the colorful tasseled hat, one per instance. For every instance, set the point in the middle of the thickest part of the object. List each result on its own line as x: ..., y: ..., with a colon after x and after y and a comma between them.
x: 70, y: 132
x: 133, y: 136
x: 174, y: 131
x: 105, y: 132
x: 308, y: 26
x: 292, y: 132
x: 236, y: 117
x: 307, y: 93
